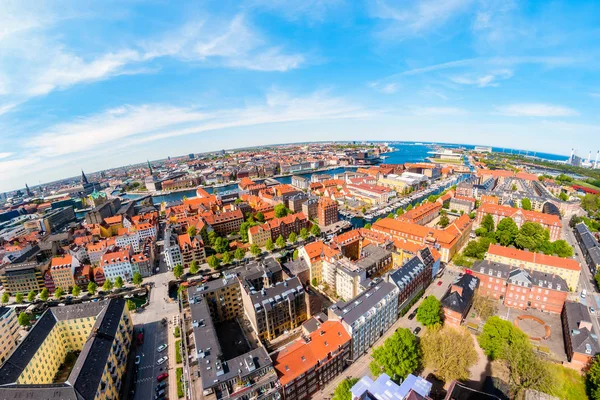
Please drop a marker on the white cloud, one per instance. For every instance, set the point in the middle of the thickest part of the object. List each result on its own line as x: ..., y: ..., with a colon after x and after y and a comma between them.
x: 594, y: 94
x: 485, y: 80
x: 388, y: 88
x: 535, y: 110
x: 5, y: 155
x: 439, y: 111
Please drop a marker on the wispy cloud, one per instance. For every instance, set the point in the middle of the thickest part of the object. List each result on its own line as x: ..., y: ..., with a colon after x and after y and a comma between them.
x: 388, y: 88
x: 438, y: 111
x: 536, y: 110
x: 595, y: 94
x: 489, y: 79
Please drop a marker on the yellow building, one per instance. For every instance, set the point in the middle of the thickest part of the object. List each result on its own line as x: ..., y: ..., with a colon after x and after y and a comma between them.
x: 100, y: 333
x: 8, y: 332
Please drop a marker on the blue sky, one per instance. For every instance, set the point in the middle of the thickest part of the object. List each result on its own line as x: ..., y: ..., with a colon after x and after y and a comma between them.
x: 94, y: 85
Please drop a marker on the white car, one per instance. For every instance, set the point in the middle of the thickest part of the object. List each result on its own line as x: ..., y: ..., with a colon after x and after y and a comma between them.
x: 138, y: 359
x: 161, y: 347
x: 162, y: 360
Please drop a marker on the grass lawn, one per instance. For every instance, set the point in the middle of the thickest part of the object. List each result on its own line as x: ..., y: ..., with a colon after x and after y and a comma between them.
x: 179, y: 374
x: 570, y: 384
x: 585, y: 184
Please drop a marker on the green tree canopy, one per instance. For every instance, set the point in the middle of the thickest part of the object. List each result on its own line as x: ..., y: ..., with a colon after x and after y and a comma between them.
x: 212, y: 237
x: 315, y: 230
x: 76, y: 291
x: 562, y: 249
x: 280, y: 242
x: 484, y: 306
x: 507, y: 231
x: 399, y: 356
x: 24, y: 319
x: 526, y: 369
x: 526, y: 204
x: 269, y: 245
x: 488, y: 223
x: 137, y: 279
x: 5, y: 297
x: 449, y: 351
x: 130, y: 305
x: 227, y: 257
x: 58, y: 293
x: 478, y: 248
x: 430, y: 311
x: 239, y: 253
x: 295, y: 255
x: 531, y: 236
x: 260, y: 217
x: 563, y: 196
x: 213, y: 262
x: 119, y: 282
x: 497, y: 334
x: 194, y: 267
x: 304, y: 233
x: 31, y: 296
x: 192, y: 231
x: 368, y: 226
x: 592, y: 378
x: 45, y: 294
x: 255, y: 250
x: 444, y: 221
x: 92, y: 287
x: 19, y: 298
x: 342, y: 391
x: 292, y: 238
x: 108, y: 285
x: 410, y: 207
x: 400, y: 211
x: 178, y: 270
x: 280, y: 210
x: 221, y: 245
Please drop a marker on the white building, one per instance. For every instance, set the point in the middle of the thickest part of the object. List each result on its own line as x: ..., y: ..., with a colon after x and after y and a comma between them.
x: 171, y: 252
x: 118, y: 263
x: 129, y: 239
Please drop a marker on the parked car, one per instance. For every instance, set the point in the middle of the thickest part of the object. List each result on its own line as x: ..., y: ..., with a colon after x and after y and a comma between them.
x: 160, y: 386
x: 417, y: 330
x: 160, y: 394
x: 412, y: 315
x: 162, y: 376
x: 161, y: 347
x: 138, y: 360
x: 162, y: 360
x: 440, y: 283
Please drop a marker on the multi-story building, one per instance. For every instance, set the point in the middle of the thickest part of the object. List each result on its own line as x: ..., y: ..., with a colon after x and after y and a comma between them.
x: 521, y: 288
x: 284, y: 226
x: 373, y: 194
x: 55, y: 219
x: 275, y: 309
x: 171, y: 252
x: 447, y: 241
x: 306, y: 365
x: 367, y: 316
x: 96, y: 250
x: 319, y: 257
x: 100, y: 333
x: 300, y: 182
x: 295, y: 202
x: 413, y: 277
x: 581, y: 341
x: 567, y: 268
x: 458, y: 299
x: 9, y: 328
x: 23, y: 277
x: 462, y: 204
x: 226, y: 222
x: 62, y: 270
x: 422, y: 214
x: 327, y: 211
x: 310, y: 207
x: 590, y: 248
x: 374, y: 260
x: 128, y: 239
x: 118, y: 263
x: 191, y: 250
x: 383, y: 388
x: 520, y: 216
x: 466, y: 189
x: 344, y: 277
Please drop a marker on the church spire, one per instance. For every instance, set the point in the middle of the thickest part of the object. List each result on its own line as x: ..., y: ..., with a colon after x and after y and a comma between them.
x: 28, y: 191
x: 84, y: 180
x: 150, y: 167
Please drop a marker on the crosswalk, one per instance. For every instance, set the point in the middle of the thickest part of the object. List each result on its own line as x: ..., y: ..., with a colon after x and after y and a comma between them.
x: 148, y: 379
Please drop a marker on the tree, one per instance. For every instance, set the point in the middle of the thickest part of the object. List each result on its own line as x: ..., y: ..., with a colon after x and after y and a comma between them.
x: 315, y: 230
x: 314, y: 282
x: 507, y: 231
x: 131, y: 305
x: 342, y: 391
x: 563, y: 196
x: 444, y: 221
x: 410, y: 207
x: 227, y: 257
x: 531, y: 236
x: 119, y: 282
x: 390, y: 215
x: 292, y: 238
x: 478, y: 248
x: 363, y: 210
x: 108, y: 284
x: 192, y: 231
x: 399, y: 356
x: 221, y: 245
x: 76, y: 291
x: 295, y: 255
x: 280, y: 210
x: 137, y: 279
x: 592, y: 379
x: 368, y: 226
x: 484, y: 306
x: 304, y: 233
x: 212, y: 237
x: 44, y: 294
x: 496, y: 335
x: 255, y: 250
x: 526, y: 204
x: 194, y: 267
x: 92, y: 287
x: 449, y: 351
x: 5, y: 297
x: 400, y: 211
x: 526, y: 370
x: 488, y: 223
x: 19, y: 298
x: 177, y: 331
x: 430, y: 311
x: 239, y: 253
x: 24, y: 319
x: 562, y: 249
x: 269, y: 245
x: 280, y: 242
x: 260, y: 217
x: 31, y: 296
x: 58, y: 293
x: 213, y: 262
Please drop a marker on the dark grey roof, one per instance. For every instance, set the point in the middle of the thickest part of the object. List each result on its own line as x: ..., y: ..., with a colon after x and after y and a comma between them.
x: 521, y: 277
x: 266, y: 297
x: 4, y: 311
x: 85, y: 377
x: 297, y: 266
x: 372, y: 254
x: 461, y: 303
x: 583, y: 339
x: 351, y: 310
x: 403, y: 276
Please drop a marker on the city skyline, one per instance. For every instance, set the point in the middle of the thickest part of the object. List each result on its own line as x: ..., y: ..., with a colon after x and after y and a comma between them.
x: 97, y: 86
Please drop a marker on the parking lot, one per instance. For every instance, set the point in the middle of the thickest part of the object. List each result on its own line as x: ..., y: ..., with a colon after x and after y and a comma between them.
x: 155, y: 334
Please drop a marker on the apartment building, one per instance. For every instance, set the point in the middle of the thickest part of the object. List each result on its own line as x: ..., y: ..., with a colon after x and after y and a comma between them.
x: 462, y: 204
x: 300, y: 182
x: 520, y: 216
x: 319, y: 257
x: 259, y: 234
x: 9, y: 336
x: 327, y: 211
x: 374, y: 260
x: 372, y: 194
x: 284, y: 226
x: 422, y: 214
x: 567, y: 268
x: 581, y: 340
x: 458, y: 299
x: 521, y: 288
x: 171, y: 252
x: 447, y: 241
x: 191, y: 249
x: 590, y: 248
x: 275, y: 309
x: 367, y: 316
x: 310, y: 207
x: 117, y: 263
x: 413, y: 277
x: 295, y: 202
x: 344, y: 277
x: 465, y: 189
x: 24, y: 277
x: 62, y: 270
x: 225, y: 222
x: 223, y: 297
x: 101, y: 332
x: 306, y: 365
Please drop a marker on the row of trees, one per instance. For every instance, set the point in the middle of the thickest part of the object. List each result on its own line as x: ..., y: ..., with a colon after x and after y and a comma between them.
x: 75, y: 291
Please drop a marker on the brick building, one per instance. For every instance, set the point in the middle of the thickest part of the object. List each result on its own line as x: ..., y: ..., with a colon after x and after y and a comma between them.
x: 327, y: 211
x: 458, y: 299
x: 581, y: 341
x: 422, y: 214
x: 520, y: 216
x: 226, y: 222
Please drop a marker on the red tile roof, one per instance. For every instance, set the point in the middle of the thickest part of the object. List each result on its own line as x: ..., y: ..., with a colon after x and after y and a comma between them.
x: 537, y: 258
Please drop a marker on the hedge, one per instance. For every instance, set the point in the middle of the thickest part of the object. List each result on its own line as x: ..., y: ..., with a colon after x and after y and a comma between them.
x: 178, y: 358
x: 179, y: 374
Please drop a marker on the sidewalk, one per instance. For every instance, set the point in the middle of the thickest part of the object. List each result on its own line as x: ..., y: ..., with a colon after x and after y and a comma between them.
x: 172, y: 364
